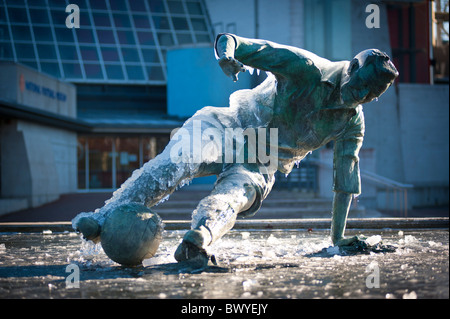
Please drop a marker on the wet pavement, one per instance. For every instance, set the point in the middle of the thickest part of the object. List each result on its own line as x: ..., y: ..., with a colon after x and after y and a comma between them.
x: 252, y: 264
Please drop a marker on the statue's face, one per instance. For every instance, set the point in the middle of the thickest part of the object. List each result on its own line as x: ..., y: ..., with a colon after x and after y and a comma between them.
x: 362, y: 84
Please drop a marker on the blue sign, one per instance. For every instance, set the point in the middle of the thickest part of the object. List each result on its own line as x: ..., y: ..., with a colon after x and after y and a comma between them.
x: 45, y: 91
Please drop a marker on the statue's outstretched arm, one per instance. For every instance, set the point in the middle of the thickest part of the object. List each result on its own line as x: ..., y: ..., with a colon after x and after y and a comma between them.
x: 234, y: 52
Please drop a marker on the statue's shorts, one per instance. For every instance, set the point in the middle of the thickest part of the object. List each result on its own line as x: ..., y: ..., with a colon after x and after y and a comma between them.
x: 249, y: 175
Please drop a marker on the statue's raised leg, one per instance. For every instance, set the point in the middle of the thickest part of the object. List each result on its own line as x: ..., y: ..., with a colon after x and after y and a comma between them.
x: 216, y: 214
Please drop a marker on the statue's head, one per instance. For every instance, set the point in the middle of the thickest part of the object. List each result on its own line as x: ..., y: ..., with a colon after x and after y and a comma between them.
x: 368, y: 75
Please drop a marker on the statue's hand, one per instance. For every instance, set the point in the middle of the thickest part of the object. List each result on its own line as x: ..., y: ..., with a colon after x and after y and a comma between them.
x: 231, y: 67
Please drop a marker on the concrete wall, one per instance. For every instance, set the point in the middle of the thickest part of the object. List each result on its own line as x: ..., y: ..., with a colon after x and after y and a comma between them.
x: 280, y: 21
x: 328, y: 31
x: 424, y: 139
x: 408, y: 125
x: 38, y: 162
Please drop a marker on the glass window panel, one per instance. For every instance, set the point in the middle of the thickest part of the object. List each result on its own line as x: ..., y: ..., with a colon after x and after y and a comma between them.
x: 51, y: 68
x: 203, y: 38
x: 85, y: 20
x: 4, y: 33
x: 130, y: 55
x: 85, y: 35
x: 81, y: 159
x: 121, y: 20
x: 89, y: 53
x: 194, y: 8
x: 137, y: 5
x: 17, y: 15
x: 155, y: 73
x: 119, y: 5
x: 199, y: 24
x: 98, y: 4
x: 161, y: 22
x: 101, y: 19
x: 72, y: 71
x: 46, y: 51
x: 31, y: 64
x: 180, y: 24
x: 126, y: 37
x: 24, y: 51
x: 39, y: 16
x: 105, y: 36
x: 2, y: 15
x: 135, y: 72
x: 114, y: 72
x: 42, y: 34
x: 100, y: 162
x: 68, y: 52
x: 66, y: 34
x: 156, y: 6
x: 110, y: 54
x: 93, y: 71
x: 175, y: 6
x: 21, y: 33
x: 127, y: 161
x: 165, y: 39
x: 81, y: 3
x: 37, y: 3
x: 184, y: 38
x: 57, y: 3
x: 150, y: 55
x: 59, y: 17
x: 6, y: 51
x: 141, y: 21
x: 146, y: 38
x: 15, y: 2
x: 149, y: 146
x: 164, y: 54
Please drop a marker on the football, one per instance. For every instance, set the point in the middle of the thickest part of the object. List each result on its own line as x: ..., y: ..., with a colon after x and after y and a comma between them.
x: 130, y: 234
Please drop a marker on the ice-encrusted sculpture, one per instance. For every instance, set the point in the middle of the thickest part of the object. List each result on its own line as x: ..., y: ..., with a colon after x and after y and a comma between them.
x: 305, y: 102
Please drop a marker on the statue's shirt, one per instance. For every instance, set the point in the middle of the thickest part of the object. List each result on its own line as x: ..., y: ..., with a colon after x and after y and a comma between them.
x: 302, y: 100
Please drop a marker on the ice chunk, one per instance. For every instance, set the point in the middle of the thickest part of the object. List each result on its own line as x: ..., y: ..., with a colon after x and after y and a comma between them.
x: 272, y: 239
x: 270, y: 254
x: 47, y: 232
x: 245, y: 235
x: 411, y: 295
x: 334, y: 250
x: 434, y: 244
x: 409, y: 239
x: 373, y: 240
x: 248, y: 284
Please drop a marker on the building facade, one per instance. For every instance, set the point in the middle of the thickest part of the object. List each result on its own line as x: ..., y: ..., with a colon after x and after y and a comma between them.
x: 94, y: 101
